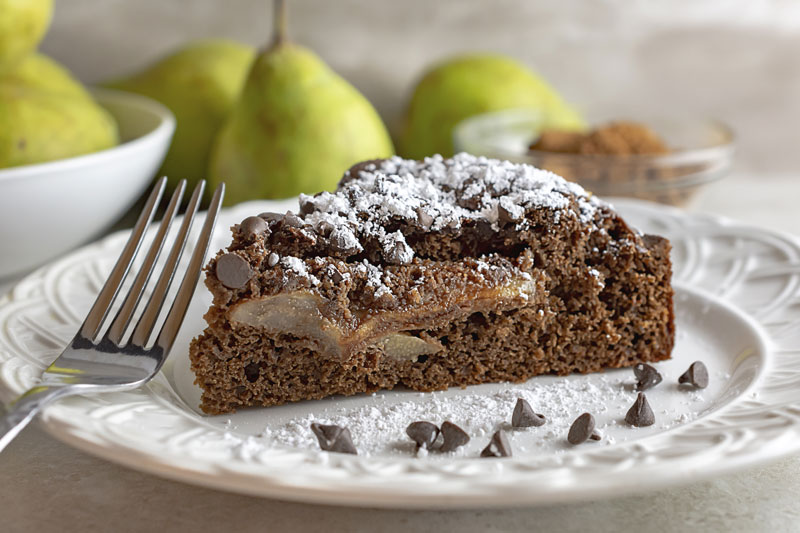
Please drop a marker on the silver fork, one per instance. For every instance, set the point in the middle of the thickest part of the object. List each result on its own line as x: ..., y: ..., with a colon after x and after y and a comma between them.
x: 112, y: 361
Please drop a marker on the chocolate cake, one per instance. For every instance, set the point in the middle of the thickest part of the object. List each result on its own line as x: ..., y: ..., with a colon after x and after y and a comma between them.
x: 429, y: 274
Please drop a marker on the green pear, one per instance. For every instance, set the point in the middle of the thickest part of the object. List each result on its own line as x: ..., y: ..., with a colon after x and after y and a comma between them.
x: 296, y: 128
x: 22, y: 26
x: 199, y: 84
x: 45, y: 114
x: 39, y: 72
x: 473, y: 84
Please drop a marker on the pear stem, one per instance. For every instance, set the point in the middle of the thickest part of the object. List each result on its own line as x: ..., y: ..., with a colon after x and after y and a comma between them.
x: 279, y: 23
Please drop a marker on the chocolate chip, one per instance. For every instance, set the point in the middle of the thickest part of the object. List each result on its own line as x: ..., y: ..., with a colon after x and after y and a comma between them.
x: 423, y: 433
x: 335, y: 275
x: 498, y: 446
x: 252, y: 372
x: 581, y: 429
x: 470, y: 194
x: 424, y: 218
x: 398, y: 253
x: 334, y: 438
x: 324, y: 228
x: 696, y: 375
x: 647, y: 376
x: 640, y: 415
x: 354, y: 172
x: 524, y: 417
x: 307, y: 205
x: 483, y: 230
x: 473, y: 203
x: 344, y: 242
x: 233, y: 271
x: 596, y: 435
x: 270, y: 218
x: 251, y: 227
x: 272, y: 259
x: 507, y: 215
x: 354, y: 194
x: 454, y: 437
x: 291, y: 220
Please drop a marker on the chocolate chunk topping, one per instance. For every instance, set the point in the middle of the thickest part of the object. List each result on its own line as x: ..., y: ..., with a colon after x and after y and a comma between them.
x: 307, y: 205
x: 398, y: 253
x: 272, y: 259
x: 423, y: 433
x: 270, y: 217
x: 498, y: 446
x: 233, y: 271
x: 647, y: 376
x: 292, y: 220
x: 336, y: 276
x: 354, y: 171
x: 470, y: 193
x: 640, y: 415
x: 507, y: 215
x: 582, y: 429
x: 696, y: 375
x: 524, y: 416
x: 324, y: 228
x: 334, y: 438
x: 454, y: 437
x: 251, y: 227
x: 344, y: 242
x: 424, y: 218
x: 596, y: 435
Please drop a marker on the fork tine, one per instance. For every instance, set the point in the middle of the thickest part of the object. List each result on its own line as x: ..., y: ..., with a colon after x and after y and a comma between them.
x: 125, y: 313
x: 102, y: 304
x: 172, y: 324
x: 146, y: 322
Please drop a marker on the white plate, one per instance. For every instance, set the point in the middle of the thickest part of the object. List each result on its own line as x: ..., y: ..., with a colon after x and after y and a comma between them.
x: 738, y: 307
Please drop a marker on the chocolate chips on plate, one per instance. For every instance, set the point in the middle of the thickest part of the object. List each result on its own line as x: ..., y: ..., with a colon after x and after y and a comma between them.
x: 581, y: 430
x: 426, y: 433
x: 334, y: 438
x: 524, y: 416
x: 454, y: 437
x: 696, y: 375
x: 640, y: 414
x: 423, y: 433
x: 498, y: 446
x: 647, y: 376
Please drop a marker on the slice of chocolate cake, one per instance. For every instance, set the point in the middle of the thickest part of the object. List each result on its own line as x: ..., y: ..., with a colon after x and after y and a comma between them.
x: 431, y: 274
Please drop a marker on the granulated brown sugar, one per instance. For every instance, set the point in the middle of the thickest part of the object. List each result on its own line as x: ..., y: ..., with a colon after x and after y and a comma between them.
x: 615, y: 138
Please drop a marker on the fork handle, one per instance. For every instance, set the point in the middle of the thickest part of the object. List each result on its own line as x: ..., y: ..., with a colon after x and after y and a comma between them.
x: 26, y: 407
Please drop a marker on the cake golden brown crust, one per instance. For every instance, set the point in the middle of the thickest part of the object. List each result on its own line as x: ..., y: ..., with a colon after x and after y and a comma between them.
x: 429, y: 274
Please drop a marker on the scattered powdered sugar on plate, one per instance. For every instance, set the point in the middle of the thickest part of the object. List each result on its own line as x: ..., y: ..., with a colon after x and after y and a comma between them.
x: 378, y: 428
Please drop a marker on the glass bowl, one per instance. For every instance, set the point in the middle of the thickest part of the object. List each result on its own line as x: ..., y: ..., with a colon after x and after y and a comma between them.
x: 702, y: 152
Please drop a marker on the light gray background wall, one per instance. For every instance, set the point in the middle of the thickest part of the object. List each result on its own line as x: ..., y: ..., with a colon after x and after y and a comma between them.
x: 738, y: 60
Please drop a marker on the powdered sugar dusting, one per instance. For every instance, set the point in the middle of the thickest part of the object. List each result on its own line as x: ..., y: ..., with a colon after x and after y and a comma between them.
x: 297, y: 268
x: 439, y: 193
x: 378, y: 428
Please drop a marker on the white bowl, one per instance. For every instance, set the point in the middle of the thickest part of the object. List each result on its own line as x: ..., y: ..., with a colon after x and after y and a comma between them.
x: 49, y: 208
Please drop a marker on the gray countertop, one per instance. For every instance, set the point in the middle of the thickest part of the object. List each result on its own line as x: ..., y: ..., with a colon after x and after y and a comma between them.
x: 48, y: 486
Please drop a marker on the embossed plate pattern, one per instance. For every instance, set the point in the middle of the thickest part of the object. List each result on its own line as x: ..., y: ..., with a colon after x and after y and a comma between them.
x: 738, y: 300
